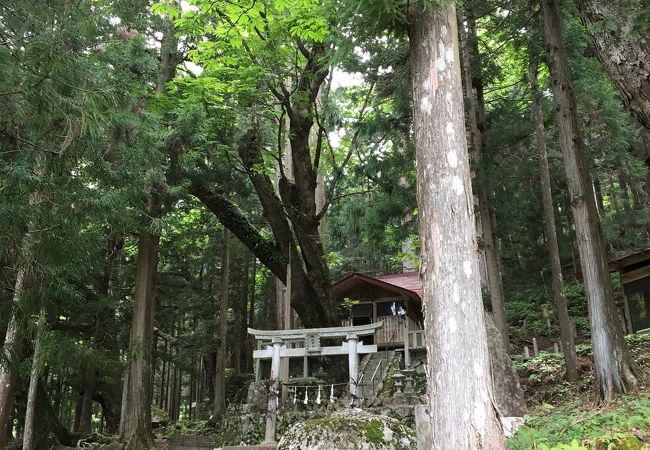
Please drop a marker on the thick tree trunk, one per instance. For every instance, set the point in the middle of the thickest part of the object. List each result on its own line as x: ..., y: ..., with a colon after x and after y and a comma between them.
x: 477, y: 125
x: 623, y: 46
x: 462, y: 411
x: 136, y: 419
x: 614, y: 372
x: 219, y: 408
x: 508, y: 393
x: 30, y: 413
x: 557, y: 280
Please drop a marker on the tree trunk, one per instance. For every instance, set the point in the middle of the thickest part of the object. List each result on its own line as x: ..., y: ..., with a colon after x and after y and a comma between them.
x: 251, y: 318
x: 136, y: 419
x: 242, y: 348
x: 11, y: 348
x: 85, y: 419
x: 462, y: 411
x: 557, y: 281
x: 136, y: 409
x: 623, y: 47
x: 292, y: 216
x: 30, y: 413
x: 508, y: 393
x: 219, y: 408
x: 477, y: 125
x: 9, y: 360
x: 614, y: 372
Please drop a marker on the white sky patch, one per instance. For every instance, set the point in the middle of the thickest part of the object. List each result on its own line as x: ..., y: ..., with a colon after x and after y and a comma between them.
x: 384, y: 70
x: 185, y: 7
x: 194, y: 69
x: 342, y: 79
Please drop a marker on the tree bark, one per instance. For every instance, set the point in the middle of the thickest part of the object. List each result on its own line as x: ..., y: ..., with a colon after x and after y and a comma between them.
x: 251, y: 318
x: 557, y: 280
x: 242, y: 324
x: 614, y: 371
x: 477, y: 125
x: 508, y: 393
x: 9, y: 358
x: 136, y: 419
x: 623, y: 47
x: 30, y: 413
x: 462, y: 411
x: 219, y: 408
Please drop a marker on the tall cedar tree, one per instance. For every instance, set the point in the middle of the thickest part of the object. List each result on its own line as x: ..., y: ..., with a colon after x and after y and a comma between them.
x: 477, y: 126
x: 613, y: 367
x: 461, y: 406
x: 557, y: 281
x: 135, y: 426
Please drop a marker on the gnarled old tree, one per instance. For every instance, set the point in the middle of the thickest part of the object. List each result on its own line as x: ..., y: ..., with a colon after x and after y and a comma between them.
x: 461, y: 404
x: 621, y: 38
x: 290, y: 210
x: 614, y: 370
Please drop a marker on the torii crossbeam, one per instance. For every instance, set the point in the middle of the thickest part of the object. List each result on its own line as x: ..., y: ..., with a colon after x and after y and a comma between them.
x: 311, y: 338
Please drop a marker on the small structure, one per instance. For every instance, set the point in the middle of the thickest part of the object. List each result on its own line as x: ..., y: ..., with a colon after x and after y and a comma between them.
x: 394, y: 299
x: 310, y: 338
x: 634, y: 271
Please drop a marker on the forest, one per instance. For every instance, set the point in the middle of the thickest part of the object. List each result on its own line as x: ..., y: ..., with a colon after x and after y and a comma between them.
x: 174, y: 173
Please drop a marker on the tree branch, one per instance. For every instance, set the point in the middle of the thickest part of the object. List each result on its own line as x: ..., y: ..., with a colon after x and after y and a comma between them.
x: 266, y: 250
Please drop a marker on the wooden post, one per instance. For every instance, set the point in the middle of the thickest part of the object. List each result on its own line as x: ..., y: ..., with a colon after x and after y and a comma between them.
x: 407, y: 351
x: 353, y: 362
x: 535, y: 348
x: 258, y: 370
x: 271, y: 415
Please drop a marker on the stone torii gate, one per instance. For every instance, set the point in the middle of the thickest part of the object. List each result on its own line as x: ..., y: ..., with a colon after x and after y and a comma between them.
x: 310, y: 337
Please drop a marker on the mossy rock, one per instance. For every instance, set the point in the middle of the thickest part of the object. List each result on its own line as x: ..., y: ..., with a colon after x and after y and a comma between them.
x: 349, y: 430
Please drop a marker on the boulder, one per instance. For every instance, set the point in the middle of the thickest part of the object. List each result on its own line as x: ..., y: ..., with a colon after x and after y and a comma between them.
x: 349, y: 430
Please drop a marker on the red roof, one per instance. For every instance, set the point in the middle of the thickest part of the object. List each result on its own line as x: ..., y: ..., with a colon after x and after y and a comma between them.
x: 405, y: 280
x: 406, y: 284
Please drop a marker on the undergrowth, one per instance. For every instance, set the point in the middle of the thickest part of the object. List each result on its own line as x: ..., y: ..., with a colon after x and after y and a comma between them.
x: 564, y: 415
x: 624, y: 425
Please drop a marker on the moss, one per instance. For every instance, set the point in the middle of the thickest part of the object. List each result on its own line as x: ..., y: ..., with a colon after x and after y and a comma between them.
x: 373, y: 431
